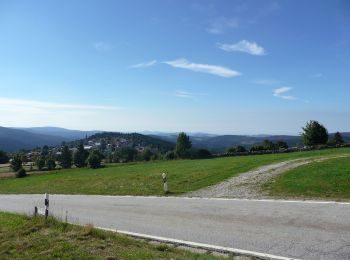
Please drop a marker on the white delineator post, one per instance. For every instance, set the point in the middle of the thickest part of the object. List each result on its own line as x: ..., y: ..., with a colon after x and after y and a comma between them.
x: 46, y: 205
x: 166, y: 189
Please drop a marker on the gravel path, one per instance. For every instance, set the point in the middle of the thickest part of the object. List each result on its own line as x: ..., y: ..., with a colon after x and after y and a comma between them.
x: 248, y: 185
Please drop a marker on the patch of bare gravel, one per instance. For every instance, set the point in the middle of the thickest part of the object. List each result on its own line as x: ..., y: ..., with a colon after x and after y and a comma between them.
x: 248, y: 185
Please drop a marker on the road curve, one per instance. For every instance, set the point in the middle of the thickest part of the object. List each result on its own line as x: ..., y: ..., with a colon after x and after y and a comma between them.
x: 304, y: 230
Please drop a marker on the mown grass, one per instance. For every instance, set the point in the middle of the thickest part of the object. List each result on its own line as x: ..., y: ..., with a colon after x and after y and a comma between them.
x: 22, y: 237
x: 145, y: 178
x: 327, y: 179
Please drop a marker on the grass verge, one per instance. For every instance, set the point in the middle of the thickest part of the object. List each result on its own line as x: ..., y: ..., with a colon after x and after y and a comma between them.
x: 145, y: 178
x: 327, y: 179
x: 22, y: 237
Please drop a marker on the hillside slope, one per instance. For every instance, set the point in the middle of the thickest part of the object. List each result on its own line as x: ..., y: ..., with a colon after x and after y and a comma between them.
x: 14, y: 139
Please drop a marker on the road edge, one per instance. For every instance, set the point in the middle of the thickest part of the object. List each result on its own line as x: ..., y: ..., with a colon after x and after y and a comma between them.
x: 220, y: 249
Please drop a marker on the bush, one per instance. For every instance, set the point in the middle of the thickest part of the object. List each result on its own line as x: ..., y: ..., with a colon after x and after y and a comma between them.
x: 237, y: 149
x: 202, y: 154
x: 16, y: 163
x: 21, y: 173
x: 170, y: 155
x: 50, y: 164
x: 94, y: 159
x: 40, y: 163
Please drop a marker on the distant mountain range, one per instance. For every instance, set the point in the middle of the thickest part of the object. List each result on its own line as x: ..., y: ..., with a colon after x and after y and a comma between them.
x: 219, y: 143
x: 13, y: 139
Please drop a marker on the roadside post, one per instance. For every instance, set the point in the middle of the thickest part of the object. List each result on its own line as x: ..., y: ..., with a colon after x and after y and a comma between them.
x: 166, y: 188
x: 46, y: 205
x: 43, y: 211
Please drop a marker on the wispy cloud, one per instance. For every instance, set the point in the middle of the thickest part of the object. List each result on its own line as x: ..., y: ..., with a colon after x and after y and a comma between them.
x: 102, y: 46
x: 189, y: 95
x: 221, y: 24
x: 266, y: 82
x: 282, y: 93
x: 8, y: 103
x: 143, y: 64
x: 205, y: 68
x: 243, y: 46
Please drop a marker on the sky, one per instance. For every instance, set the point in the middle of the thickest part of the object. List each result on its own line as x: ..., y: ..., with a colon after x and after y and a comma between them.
x: 222, y: 67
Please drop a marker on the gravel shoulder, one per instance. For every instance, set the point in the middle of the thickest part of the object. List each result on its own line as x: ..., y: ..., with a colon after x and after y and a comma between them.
x: 248, y: 185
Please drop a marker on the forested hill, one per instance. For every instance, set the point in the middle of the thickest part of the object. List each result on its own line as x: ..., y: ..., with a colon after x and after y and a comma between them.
x: 128, y: 139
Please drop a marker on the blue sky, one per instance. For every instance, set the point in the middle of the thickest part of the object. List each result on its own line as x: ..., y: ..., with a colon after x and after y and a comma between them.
x: 234, y: 67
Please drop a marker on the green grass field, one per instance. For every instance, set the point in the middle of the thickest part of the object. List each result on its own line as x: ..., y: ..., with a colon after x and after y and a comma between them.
x: 145, y: 178
x: 22, y: 237
x: 327, y: 179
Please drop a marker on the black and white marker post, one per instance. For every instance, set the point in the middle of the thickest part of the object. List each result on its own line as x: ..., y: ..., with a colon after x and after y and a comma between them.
x: 166, y: 189
x: 46, y: 205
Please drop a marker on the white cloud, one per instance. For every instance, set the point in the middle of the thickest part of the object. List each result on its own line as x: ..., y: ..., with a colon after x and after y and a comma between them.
x: 205, y: 68
x: 190, y: 95
x: 40, y: 106
x: 221, y: 24
x: 143, y: 64
x: 280, y: 92
x: 243, y: 46
x: 266, y: 81
x: 102, y: 46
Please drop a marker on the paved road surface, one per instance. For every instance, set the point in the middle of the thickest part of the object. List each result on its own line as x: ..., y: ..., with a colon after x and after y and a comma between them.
x: 292, y: 229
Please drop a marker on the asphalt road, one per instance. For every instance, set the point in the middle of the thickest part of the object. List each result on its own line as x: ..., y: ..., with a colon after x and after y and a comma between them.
x: 304, y: 230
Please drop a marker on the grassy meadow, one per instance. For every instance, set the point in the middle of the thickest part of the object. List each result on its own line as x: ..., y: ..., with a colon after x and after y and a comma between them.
x: 145, y: 178
x: 327, y: 179
x: 22, y: 237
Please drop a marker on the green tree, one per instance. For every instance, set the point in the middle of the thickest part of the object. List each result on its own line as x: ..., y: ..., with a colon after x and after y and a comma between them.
x: 3, y: 157
x: 126, y: 154
x: 236, y: 149
x: 16, y: 163
x: 45, y: 150
x: 50, y: 164
x: 183, y: 145
x: 338, y: 139
x: 94, y: 159
x: 281, y: 145
x: 147, y: 155
x: 268, y: 145
x: 314, y: 133
x: 80, y: 156
x: 40, y: 162
x: 202, y: 154
x: 21, y: 173
x: 169, y: 155
x: 65, y: 158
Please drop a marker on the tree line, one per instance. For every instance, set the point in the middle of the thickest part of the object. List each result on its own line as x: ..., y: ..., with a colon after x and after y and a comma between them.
x: 314, y: 134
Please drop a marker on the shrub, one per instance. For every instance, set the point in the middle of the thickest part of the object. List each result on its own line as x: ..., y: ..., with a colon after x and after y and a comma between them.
x: 16, y: 163
x: 40, y: 163
x: 21, y: 173
x: 50, y: 164
x: 170, y: 155
x: 237, y: 149
x: 94, y: 159
x: 203, y: 154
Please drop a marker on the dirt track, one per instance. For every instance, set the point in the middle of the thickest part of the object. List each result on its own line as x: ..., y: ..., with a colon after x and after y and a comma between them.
x: 248, y: 185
